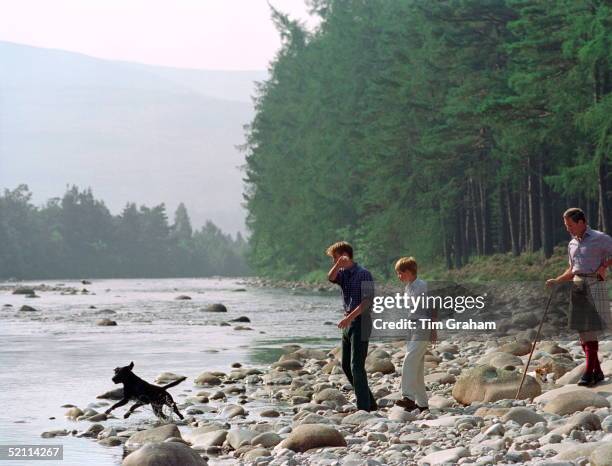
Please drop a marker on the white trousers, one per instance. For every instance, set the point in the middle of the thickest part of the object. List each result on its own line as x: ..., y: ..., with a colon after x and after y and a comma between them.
x: 413, y: 378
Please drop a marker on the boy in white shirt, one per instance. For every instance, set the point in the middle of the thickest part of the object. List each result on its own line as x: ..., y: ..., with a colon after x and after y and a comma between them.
x: 413, y: 382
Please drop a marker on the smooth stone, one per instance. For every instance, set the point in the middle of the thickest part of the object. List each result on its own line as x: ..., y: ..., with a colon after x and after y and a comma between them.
x: 518, y: 348
x: 207, y: 379
x: 359, y: 417
x: 374, y: 365
x: 572, y: 376
x: 255, y: 453
x: 115, y: 394
x: 399, y: 414
x: 183, y: 297
x: 500, y: 360
x: 568, y: 403
x: 486, y: 383
x: 155, y: 434
x: 307, y: 436
x: 111, y: 441
x: 442, y: 457
x: 586, y: 421
x: 269, y: 413
x: 522, y: 415
x: 217, y: 307
x: 267, y: 439
x: 330, y: 394
x: 26, y: 308
x: 440, y: 402
x: 288, y: 364
x: 602, y: 455
x: 167, y: 377
x: 54, y: 433
x: 164, y: 454
x: 231, y: 411
x: 214, y: 438
x: 73, y: 413
x: 237, y: 437
x: 106, y: 322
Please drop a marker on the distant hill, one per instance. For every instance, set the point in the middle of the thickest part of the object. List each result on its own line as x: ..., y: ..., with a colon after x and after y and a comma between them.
x: 132, y: 132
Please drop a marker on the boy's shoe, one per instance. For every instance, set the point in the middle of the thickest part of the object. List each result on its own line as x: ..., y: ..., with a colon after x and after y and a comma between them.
x: 587, y: 379
x: 406, y: 403
x: 598, y: 376
x: 410, y: 405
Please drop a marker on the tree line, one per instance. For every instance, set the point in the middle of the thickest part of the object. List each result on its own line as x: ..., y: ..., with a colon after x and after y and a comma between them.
x: 446, y: 129
x: 76, y: 236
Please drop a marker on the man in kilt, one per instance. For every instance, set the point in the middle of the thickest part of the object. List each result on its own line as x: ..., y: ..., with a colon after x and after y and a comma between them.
x: 590, y: 255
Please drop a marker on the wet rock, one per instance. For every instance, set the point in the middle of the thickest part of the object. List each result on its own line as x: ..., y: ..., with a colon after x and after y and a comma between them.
x: 289, y: 365
x: 217, y: 307
x: 164, y: 453
x: 26, y: 308
x: 241, y: 319
x: 308, y: 436
x: 24, y: 290
x: 183, y: 297
x: 106, y: 322
x: 115, y: 394
x: 155, y: 434
x: 231, y: 411
x: 167, y: 377
x: 73, y: 413
x: 207, y: 379
x: 54, y: 433
x: 267, y: 439
x: 269, y: 413
x: 237, y: 437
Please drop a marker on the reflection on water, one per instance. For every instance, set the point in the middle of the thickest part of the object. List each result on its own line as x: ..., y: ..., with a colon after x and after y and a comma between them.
x: 57, y: 354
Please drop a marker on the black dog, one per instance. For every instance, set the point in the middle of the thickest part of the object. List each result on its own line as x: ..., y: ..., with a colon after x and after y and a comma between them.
x: 134, y: 388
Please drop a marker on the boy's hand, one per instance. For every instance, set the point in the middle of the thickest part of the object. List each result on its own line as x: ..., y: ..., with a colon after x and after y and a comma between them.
x: 343, y: 261
x: 344, y: 322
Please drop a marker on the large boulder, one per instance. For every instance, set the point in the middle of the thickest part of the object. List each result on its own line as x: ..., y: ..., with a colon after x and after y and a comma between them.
x: 164, y: 454
x: 486, y: 383
x: 156, y: 434
x: 307, y: 436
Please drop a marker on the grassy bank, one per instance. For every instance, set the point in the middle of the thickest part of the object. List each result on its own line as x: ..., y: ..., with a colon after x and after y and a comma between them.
x: 497, y: 267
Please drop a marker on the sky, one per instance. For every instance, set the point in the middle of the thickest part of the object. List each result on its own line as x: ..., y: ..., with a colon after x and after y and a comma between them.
x: 205, y: 34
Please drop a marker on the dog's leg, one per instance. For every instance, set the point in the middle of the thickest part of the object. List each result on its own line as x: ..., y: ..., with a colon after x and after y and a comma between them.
x: 116, y: 405
x: 170, y: 402
x: 132, y: 408
x: 157, y: 409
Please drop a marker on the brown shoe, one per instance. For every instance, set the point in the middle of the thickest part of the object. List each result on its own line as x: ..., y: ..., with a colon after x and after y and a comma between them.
x: 406, y: 403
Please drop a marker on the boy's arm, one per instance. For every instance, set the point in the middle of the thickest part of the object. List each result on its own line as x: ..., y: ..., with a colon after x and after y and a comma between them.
x: 355, y: 313
x: 332, y: 275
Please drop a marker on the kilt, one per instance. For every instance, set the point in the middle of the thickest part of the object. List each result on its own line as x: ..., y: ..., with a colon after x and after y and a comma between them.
x: 589, y: 305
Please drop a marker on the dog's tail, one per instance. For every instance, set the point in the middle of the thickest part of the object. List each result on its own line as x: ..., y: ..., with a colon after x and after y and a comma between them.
x: 176, y: 382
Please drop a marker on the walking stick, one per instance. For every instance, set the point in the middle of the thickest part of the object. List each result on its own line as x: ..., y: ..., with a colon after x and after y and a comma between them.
x: 535, y: 341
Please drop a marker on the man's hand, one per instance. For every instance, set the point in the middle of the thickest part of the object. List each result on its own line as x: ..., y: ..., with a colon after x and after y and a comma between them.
x: 551, y: 282
x: 344, y: 322
x: 343, y: 262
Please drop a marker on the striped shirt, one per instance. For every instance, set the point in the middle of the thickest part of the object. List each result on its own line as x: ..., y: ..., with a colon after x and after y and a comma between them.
x: 589, y: 253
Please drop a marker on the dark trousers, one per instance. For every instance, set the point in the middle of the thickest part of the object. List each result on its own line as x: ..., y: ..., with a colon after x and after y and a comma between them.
x: 354, y: 352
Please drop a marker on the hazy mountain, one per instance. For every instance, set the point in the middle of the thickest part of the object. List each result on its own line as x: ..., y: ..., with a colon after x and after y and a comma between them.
x: 132, y: 132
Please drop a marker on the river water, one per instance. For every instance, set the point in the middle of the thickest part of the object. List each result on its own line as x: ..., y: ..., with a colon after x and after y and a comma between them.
x: 58, y: 355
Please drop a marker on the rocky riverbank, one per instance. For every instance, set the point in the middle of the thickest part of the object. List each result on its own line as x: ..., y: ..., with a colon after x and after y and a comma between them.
x: 300, y: 410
